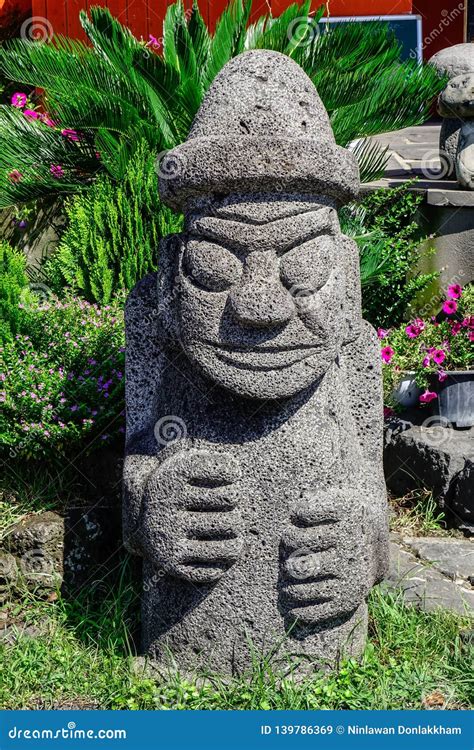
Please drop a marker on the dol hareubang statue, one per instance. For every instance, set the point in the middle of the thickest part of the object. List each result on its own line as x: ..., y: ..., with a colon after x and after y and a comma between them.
x: 266, y: 515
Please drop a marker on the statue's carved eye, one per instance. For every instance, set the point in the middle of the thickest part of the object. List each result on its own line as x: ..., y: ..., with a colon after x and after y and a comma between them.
x: 308, y: 265
x: 211, y: 266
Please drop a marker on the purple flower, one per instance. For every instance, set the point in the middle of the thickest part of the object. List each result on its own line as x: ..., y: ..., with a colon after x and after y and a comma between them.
x: 56, y: 170
x: 74, y: 408
x: 439, y: 356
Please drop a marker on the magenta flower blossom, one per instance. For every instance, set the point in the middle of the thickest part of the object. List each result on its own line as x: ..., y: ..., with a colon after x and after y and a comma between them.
x: 450, y: 307
x: 19, y: 99
x: 47, y: 120
x: 442, y: 376
x: 15, y: 176
x: 154, y: 41
x: 30, y: 114
x: 428, y: 396
x: 439, y: 356
x: 56, y: 170
x: 382, y: 333
x: 387, y: 354
x: 426, y: 362
x: 71, y: 134
x: 455, y: 327
x: 454, y: 291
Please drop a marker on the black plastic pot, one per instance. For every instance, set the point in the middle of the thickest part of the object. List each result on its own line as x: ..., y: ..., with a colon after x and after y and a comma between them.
x: 455, y: 402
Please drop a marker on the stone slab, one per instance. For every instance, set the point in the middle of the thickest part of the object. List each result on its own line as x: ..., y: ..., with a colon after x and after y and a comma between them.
x: 425, y: 587
x: 453, y: 558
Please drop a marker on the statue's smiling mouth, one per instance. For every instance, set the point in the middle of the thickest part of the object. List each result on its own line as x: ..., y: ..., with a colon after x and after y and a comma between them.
x: 263, y: 357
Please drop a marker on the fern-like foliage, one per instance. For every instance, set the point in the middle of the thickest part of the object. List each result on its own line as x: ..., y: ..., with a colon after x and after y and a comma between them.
x: 113, y: 233
x: 117, y: 92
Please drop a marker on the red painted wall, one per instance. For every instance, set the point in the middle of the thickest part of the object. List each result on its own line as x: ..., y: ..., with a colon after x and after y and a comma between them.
x: 145, y: 17
x: 442, y: 24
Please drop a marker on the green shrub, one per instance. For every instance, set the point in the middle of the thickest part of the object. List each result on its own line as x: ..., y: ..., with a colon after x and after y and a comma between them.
x: 113, y: 234
x: 13, y: 281
x: 390, y: 244
x: 63, y: 378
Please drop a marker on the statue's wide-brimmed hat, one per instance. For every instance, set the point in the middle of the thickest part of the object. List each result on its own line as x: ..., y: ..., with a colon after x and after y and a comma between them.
x: 261, y: 128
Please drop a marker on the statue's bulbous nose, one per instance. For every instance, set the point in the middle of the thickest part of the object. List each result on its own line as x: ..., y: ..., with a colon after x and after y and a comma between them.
x: 260, y: 300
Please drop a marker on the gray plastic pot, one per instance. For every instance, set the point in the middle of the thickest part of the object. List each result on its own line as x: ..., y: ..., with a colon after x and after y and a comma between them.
x: 455, y: 402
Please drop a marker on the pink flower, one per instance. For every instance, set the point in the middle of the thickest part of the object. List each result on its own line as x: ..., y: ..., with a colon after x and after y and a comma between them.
x: 442, y: 376
x: 15, y: 176
x: 387, y: 412
x: 450, y: 307
x: 47, y: 120
x: 415, y: 328
x: 426, y: 362
x: 454, y: 291
x: 56, y: 170
x: 19, y: 99
x: 382, y: 333
x: 439, y: 356
x: 412, y: 331
x: 427, y: 396
x: 387, y: 354
x: 71, y: 134
x: 30, y: 114
x: 154, y: 41
x: 468, y: 322
x: 455, y: 327
x: 471, y: 335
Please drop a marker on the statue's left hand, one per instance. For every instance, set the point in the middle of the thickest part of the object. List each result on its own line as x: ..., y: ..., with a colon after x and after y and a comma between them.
x: 326, y: 556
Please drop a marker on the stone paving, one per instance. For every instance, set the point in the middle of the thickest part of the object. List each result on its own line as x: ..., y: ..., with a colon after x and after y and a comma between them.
x: 433, y: 572
x: 414, y: 154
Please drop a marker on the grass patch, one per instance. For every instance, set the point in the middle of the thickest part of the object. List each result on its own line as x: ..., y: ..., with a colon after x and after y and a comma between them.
x: 418, y: 514
x: 83, y: 657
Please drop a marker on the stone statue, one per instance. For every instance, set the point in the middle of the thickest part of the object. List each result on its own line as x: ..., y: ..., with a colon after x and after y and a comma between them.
x: 253, y: 479
x: 456, y: 107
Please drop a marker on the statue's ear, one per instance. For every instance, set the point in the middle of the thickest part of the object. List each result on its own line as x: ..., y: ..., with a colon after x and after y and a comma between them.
x: 168, y: 285
x: 352, y: 303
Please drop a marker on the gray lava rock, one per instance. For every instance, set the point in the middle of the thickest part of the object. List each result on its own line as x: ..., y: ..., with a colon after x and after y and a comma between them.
x: 434, y: 457
x: 454, y: 105
x: 36, y: 544
x: 253, y: 483
x: 454, y: 61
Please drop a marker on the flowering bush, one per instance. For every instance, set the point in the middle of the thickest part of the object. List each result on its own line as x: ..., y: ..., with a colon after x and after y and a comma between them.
x: 429, y: 348
x: 63, y: 378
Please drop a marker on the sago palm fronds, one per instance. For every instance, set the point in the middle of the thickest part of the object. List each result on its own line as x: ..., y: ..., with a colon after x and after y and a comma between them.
x: 118, y: 92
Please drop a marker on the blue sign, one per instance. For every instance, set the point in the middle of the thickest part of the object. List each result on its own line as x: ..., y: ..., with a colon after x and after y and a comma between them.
x: 237, y: 730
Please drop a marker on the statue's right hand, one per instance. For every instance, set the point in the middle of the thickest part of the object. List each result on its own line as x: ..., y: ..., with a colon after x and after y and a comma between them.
x: 190, y: 525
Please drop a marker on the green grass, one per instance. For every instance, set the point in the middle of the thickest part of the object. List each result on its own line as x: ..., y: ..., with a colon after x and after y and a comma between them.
x: 83, y: 657
x: 418, y: 514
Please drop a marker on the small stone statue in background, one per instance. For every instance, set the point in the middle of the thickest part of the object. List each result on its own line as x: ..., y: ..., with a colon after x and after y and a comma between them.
x: 253, y: 479
x: 456, y: 106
